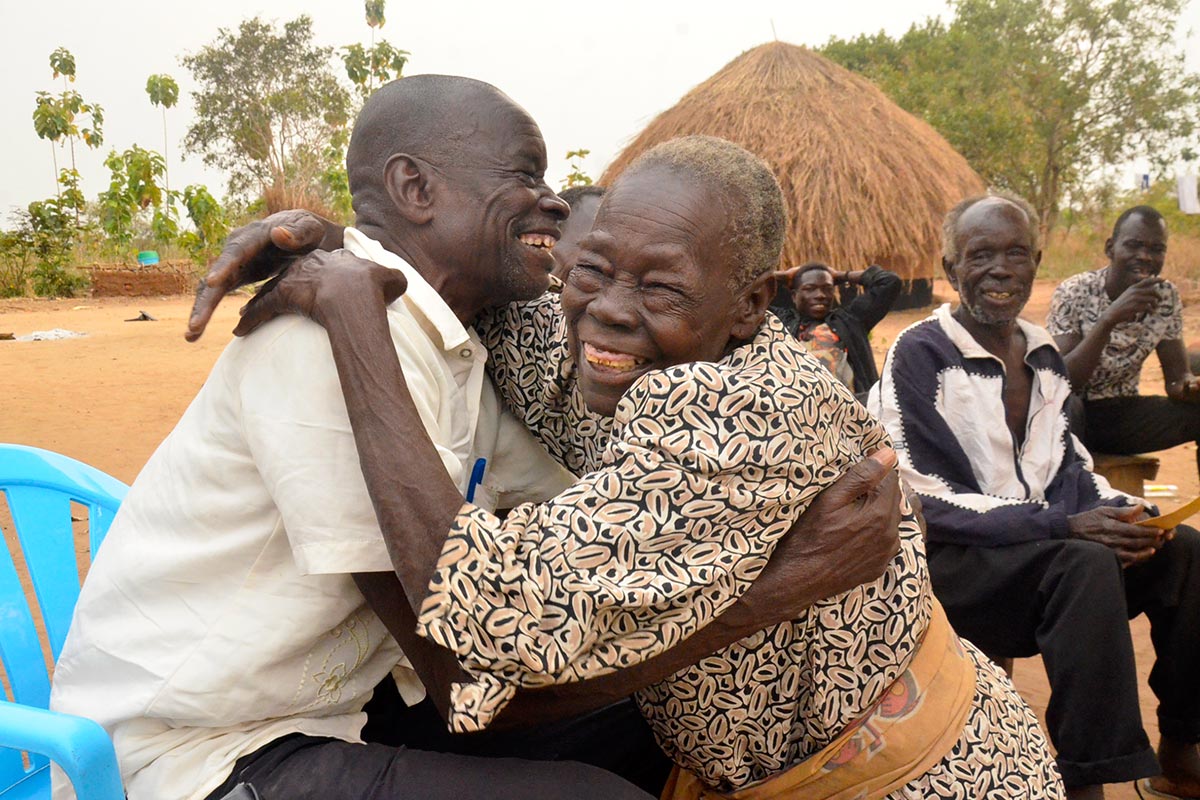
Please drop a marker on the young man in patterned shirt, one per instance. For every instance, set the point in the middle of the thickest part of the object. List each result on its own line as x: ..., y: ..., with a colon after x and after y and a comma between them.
x: 1107, y: 322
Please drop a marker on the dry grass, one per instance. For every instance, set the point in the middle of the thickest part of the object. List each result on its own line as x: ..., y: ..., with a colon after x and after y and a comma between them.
x: 865, y: 182
x: 283, y: 198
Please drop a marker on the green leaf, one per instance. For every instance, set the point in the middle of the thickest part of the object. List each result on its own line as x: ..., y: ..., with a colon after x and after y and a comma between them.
x: 374, y: 11
x: 63, y: 63
x: 163, y: 90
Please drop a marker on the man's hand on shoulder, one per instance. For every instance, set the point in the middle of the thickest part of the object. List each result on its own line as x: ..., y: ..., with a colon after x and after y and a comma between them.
x: 847, y: 537
x: 256, y: 252
x: 322, y: 284
x: 1113, y: 527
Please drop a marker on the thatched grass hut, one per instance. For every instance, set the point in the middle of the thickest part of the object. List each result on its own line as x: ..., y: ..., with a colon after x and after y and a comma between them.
x: 865, y: 181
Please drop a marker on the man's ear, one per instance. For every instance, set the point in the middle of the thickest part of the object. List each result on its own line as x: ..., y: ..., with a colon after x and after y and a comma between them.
x: 751, y: 306
x: 408, y: 184
x: 1037, y: 258
x: 948, y: 268
x: 1108, y: 249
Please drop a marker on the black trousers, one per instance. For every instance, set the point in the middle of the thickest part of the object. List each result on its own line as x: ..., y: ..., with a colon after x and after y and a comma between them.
x: 409, y: 755
x: 1143, y: 424
x: 1070, y: 600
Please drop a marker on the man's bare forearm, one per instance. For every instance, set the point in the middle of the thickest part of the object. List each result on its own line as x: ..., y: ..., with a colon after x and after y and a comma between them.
x: 437, y: 667
x: 1082, y: 354
x: 415, y: 500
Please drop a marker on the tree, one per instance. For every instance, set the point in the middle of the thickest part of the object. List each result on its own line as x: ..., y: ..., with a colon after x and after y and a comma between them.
x: 367, y: 68
x: 370, y: 67
x: 1041, y: 95
x: 164, y: 93
x: 60, y: 116
x: 375, y: 18
x: 47, y: 233
x: 134, y: 187
x: 210, y: 223
x: 267, y: 106
x: 577, y: 177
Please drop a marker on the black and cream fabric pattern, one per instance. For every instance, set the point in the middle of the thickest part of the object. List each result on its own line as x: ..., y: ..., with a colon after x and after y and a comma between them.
x: 683, y: 497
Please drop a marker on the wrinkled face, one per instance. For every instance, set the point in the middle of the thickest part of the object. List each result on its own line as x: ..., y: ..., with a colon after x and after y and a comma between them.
x: 650, y: 288
x: 1138, y: 251
x: 578, y: 225
x: 813, y: 294
x: 996, y: 261
x: 502, y: 218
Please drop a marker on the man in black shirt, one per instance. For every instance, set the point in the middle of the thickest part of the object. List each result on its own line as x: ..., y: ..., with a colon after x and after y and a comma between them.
x: 837, y: 333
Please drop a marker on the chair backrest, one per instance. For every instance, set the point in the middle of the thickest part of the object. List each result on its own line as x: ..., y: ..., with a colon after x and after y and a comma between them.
x: 40, y: 487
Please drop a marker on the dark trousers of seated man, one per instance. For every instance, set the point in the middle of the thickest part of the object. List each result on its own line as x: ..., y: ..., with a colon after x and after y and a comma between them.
x: 410, y: 755
x: 1142, y: 424
x: 1070, y: 600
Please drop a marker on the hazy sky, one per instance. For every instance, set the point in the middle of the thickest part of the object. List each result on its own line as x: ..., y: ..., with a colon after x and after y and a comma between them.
x: 591, y: 74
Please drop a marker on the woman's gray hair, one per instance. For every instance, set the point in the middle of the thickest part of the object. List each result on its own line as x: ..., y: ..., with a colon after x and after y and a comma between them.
x: 749, y: 192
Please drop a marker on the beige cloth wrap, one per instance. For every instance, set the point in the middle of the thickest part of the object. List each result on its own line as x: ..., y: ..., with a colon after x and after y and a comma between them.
x: 910, y: 729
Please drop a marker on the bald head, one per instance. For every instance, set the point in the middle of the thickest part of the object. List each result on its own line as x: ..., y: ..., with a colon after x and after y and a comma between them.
x: 433, y: 117
x: 976, y: 205
x: 449, y: 174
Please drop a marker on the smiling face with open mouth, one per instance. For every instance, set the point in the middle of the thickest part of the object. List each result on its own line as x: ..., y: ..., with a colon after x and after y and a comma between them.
x: 996, y: 261
x: 498, y: 211
x: 651, y: 285
x: 814, y: 293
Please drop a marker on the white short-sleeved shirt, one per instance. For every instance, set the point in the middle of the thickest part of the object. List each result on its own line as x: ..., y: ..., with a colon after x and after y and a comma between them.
x: 221, y: 612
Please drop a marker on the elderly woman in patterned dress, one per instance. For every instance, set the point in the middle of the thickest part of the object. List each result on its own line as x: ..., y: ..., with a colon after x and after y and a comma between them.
x: 702, y: 432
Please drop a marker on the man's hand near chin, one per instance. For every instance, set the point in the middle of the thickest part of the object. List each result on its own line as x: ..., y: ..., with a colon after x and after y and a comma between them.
x: 258, y: 251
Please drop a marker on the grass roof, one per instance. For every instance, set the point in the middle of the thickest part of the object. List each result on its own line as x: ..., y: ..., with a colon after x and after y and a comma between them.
x: 865, y: 181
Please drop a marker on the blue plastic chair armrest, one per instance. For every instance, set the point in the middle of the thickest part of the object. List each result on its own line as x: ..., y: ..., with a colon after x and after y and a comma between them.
x: 79, y: 746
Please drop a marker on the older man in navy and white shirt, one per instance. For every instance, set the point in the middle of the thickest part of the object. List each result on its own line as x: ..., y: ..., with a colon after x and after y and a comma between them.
x: 1029, y: 550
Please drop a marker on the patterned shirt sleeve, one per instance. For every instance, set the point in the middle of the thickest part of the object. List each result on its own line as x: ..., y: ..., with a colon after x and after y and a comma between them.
x: 699, y: 484
x: 1062, y: 319
x: 1171, y: 307
x: 531, y: 367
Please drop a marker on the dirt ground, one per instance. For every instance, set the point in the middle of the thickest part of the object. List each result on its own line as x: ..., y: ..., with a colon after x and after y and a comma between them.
x: 110, y: 397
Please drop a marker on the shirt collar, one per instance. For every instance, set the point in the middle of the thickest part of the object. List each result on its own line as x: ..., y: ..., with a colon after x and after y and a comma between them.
x: 1035, y: 337
x: 420, y: 296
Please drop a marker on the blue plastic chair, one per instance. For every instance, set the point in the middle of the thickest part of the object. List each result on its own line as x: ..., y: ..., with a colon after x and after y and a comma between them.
x: 40, y: 486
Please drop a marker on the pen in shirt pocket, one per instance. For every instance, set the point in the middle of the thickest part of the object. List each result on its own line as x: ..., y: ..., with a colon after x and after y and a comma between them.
x: 476, y: 478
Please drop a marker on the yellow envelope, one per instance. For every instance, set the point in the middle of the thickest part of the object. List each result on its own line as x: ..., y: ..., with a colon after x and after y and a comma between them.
x: 1168, y: 521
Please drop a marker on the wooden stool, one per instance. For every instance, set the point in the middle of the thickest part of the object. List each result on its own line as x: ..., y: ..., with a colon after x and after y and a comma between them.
x: 1127, y: 474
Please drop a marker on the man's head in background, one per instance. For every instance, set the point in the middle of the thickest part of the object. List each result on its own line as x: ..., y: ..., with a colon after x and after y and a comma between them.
x: 813, y: 290
x: 584, y: 202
